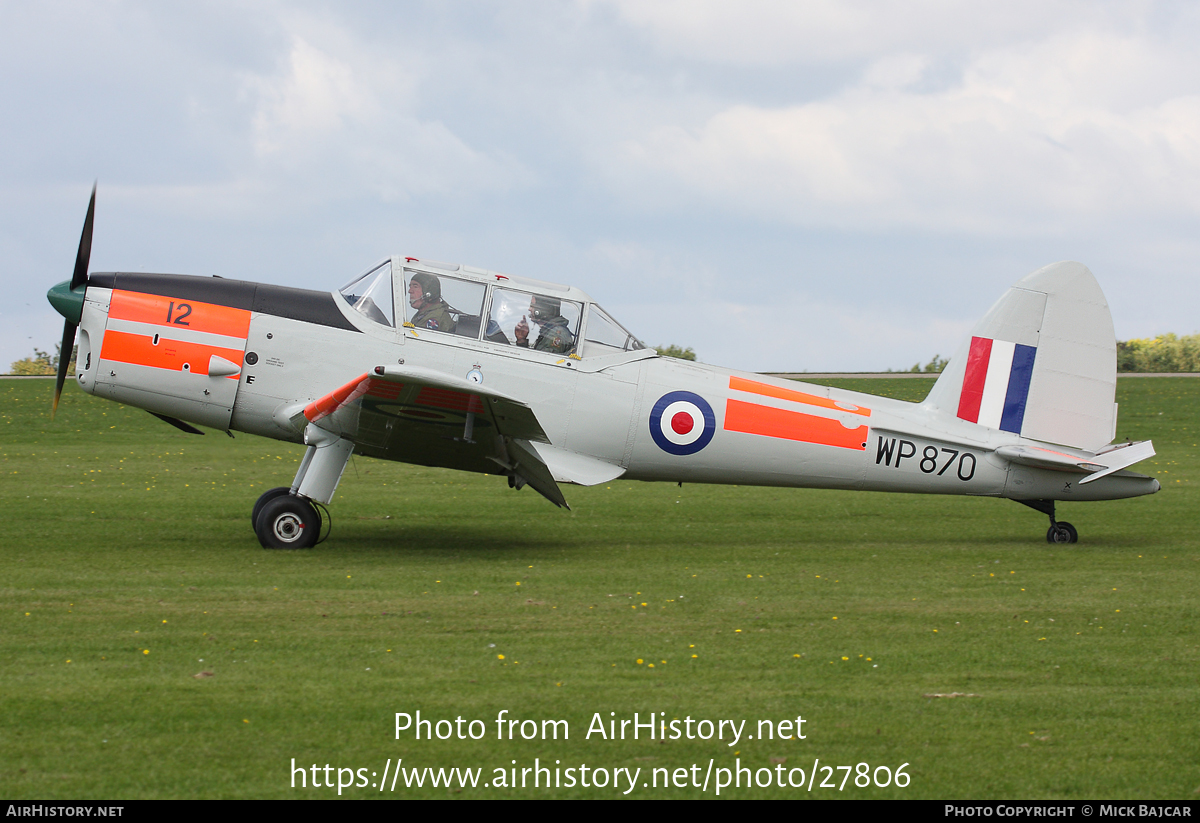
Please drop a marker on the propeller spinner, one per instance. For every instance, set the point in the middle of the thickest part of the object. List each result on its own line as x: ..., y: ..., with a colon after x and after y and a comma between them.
x: 67, y: 298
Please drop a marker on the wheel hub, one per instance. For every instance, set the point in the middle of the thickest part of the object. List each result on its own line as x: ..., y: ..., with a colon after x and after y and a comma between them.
x: 288, y: 527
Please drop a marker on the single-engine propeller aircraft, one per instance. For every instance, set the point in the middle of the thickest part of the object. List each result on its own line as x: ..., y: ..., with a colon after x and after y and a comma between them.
x: 441, y: 365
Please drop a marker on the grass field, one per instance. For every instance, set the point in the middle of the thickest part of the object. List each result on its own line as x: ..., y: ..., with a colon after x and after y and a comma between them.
x: 131, y: 568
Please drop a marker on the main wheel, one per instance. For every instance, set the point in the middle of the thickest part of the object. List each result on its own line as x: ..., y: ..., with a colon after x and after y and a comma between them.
x: 266, y: 497
x: 1062, y: 532
x: 288, y: 522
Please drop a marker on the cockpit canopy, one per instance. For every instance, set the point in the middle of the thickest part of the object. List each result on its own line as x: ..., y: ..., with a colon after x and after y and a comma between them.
x: 483, y: 305
x: 371, y: 294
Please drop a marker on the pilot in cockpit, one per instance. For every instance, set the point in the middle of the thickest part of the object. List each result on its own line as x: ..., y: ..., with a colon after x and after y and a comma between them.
x: 425, y: 295
x: 554, y: 333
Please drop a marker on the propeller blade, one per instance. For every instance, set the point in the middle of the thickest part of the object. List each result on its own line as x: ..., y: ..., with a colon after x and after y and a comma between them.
x: 64, y: 362
x: 84, y: 255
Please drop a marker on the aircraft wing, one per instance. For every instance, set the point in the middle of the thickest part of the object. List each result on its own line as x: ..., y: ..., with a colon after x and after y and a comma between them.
x: 422, y: 416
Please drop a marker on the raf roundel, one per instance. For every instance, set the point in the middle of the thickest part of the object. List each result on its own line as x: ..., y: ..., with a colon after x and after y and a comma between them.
x: 682, y: 423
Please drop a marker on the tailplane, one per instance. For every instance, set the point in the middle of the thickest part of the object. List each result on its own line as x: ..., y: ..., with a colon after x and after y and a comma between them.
x: 1042, y: 363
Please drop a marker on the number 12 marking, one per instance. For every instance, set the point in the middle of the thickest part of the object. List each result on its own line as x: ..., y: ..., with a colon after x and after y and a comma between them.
x: 185, y: 310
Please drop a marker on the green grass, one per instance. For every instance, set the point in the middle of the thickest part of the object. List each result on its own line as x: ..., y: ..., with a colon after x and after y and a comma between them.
x: 122, y: 536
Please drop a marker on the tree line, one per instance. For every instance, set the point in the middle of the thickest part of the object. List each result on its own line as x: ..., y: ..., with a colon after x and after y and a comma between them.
x: 1165, y: 353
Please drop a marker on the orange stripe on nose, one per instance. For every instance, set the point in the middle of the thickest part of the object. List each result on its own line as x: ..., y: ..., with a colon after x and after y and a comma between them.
x: 751, y: 418
x: 767, y: 390
x: 122, y: 347
x: 179, y: 314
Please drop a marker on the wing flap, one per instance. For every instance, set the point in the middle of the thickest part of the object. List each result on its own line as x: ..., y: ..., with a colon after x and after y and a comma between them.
x: 526, y: 466
x: 580, y: 469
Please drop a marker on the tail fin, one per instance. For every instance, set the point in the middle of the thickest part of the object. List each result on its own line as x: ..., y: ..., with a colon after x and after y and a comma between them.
x: 1042, y: 363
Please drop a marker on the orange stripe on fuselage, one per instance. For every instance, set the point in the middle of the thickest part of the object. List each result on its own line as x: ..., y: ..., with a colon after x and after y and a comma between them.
x: 767, y: 390
x: 122, y: 347
x: 751, y: 418
x: 173, y: 313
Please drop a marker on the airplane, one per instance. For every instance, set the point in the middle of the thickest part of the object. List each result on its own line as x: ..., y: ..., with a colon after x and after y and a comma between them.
x: 438, y: 365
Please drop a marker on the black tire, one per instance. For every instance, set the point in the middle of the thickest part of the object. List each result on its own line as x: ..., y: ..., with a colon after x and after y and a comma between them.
x: 288, y: 522
x: 1062, y: 532
x: 266, y: 497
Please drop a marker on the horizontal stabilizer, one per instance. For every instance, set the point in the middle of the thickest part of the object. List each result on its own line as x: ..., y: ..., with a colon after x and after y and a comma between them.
x: 1120, y: 457
x: 1097, y: 465
x: 1043, y: 458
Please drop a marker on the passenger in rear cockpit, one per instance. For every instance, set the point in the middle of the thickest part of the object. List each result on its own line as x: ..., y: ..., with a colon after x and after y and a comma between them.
x: 554, y: 333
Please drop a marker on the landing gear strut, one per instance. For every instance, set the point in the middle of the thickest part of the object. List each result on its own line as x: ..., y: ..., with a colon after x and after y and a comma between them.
x: 1060, y: 530
x: 289, y: 517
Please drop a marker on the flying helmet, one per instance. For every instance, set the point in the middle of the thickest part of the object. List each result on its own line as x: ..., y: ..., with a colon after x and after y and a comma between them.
x: 544, y: 308
x: 431, y: 287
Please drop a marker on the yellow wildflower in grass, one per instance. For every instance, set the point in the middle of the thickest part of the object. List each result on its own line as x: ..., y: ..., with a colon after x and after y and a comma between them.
x: 145, y: 651
x: 499, y: 657
x: 639, y: 661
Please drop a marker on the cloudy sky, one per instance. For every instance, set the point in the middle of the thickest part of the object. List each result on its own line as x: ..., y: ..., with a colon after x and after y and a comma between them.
x: 781, y: 186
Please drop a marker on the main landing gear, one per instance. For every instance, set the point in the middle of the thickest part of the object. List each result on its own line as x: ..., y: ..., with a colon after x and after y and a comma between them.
x: 289, y: 517
x: 284, y: 521
x: 1060, y: 531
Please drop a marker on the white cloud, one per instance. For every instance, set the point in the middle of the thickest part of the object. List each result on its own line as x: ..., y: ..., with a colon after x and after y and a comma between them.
x: 1042, y: 138
x: 345, y: 110
x: 766, y: 33
x: 317, y: 94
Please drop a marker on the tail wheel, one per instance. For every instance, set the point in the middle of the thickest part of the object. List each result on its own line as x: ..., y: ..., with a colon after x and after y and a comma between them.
x: 1062, y: 532
x: 288, y: 522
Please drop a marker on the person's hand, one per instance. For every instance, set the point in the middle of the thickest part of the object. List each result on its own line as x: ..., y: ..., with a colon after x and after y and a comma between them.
x: 522, y: 330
